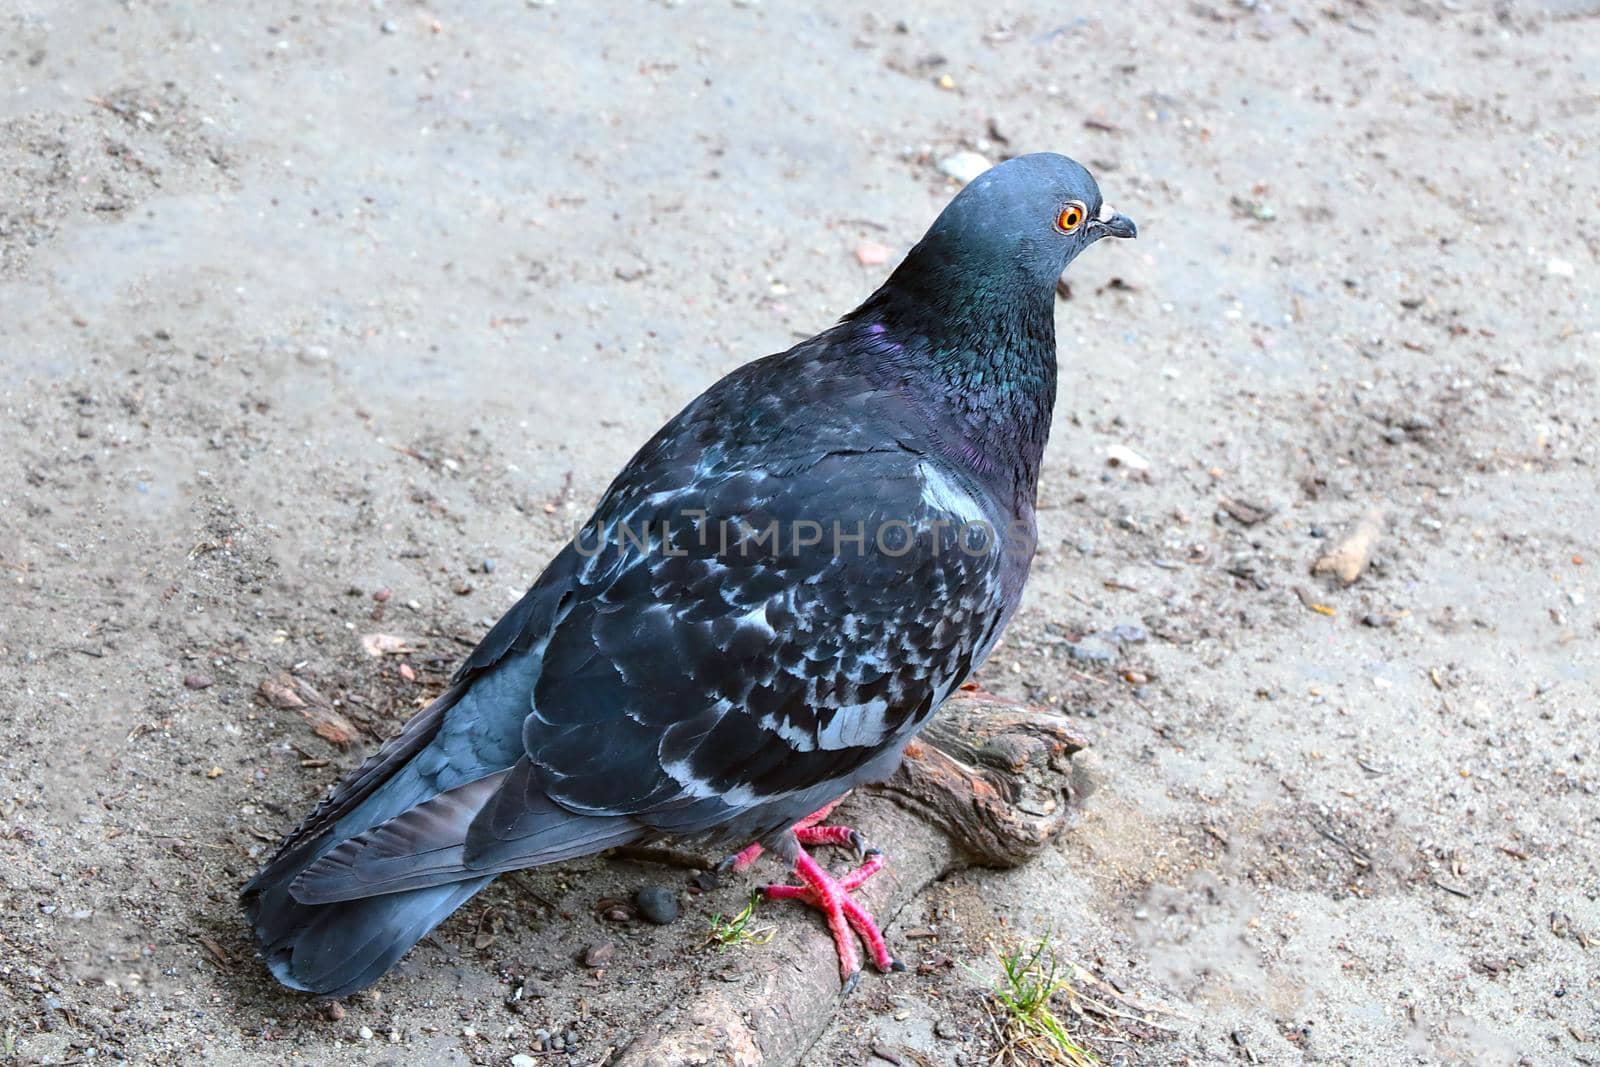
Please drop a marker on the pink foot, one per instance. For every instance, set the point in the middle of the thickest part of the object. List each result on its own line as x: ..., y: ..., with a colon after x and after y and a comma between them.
x: 740, y: 861
x: 846, y: 919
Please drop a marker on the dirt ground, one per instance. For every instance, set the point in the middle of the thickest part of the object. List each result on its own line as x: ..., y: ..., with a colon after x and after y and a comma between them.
x: 329, y: 320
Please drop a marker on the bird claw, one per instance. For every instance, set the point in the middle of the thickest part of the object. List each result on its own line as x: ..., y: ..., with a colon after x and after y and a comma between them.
x: 847, y: 920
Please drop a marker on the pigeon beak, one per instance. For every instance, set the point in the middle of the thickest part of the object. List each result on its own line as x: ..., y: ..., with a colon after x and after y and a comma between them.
x: 1115, y: 224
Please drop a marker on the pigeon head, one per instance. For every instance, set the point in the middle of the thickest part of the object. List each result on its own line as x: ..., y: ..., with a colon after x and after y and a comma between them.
x: 1020, y: 222
x: 1012, y: 231
x: 966, y: 323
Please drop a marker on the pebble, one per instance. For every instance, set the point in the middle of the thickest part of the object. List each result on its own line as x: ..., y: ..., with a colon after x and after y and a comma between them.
x: 872, y: 254
x: 1092, y: 650
x: 598, y: 955
x: 657, y: 903
x: 947, y: 1030
x: 366, y: 1033
x: 1560, y: 268
x: 198, y: 681
x: 964, y: 166
x: 1128, y: 633
x: 1123, y: 456
x: 390, y: 26
x: 522, y: 1059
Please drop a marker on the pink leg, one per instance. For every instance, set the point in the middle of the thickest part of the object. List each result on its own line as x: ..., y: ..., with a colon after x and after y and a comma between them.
x: 741, y: 860
x: 828, y: 835
x: 849, y: 882
x: 831, y: 896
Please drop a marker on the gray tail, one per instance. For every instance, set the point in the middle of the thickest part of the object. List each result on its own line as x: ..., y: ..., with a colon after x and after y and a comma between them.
x: 338, y: 949
x: 333, y: 913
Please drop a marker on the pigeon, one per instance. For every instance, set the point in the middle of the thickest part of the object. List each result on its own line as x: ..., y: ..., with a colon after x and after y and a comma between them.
x: 769, y: 600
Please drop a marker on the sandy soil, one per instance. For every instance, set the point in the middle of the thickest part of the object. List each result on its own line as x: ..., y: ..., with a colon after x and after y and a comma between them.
x: 323, y: 320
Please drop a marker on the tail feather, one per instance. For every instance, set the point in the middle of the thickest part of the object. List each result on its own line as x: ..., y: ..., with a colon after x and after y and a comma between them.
x: 429, y: 845
x: 332, y: 914
x: 338, y: 949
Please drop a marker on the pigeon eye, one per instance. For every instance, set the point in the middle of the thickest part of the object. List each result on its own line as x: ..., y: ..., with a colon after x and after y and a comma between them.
x: 1071, y: 217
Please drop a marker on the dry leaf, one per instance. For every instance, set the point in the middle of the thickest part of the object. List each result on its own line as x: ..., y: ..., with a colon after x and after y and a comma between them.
x: 280, y: 694
x: 329, y: 725
x: 384, y: 645
x: 1347, y: 559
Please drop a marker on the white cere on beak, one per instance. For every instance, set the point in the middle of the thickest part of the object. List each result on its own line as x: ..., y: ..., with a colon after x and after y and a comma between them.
x: 1106, y: 211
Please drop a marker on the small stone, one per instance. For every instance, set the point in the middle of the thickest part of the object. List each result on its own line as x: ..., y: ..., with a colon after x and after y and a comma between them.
x: 872, y: 254
x: 382, y: 596
x: 946, y: 1030
x: 1560, y: 268
x: 198, y: 681
x: 1123, y: 456
x: 657, y: 903
x: 964, y: 166
x: 1129, y: 633
x: 886, y: 1053
x: 522, y: 1059
x: 333, y: 1010
x: 598, y: 955
x: 945, y: 82
x: 617, y: 915
x: 1092, y: 650
x: 366, y: 1033
x: 557, y: 1042
x: 390, y: 26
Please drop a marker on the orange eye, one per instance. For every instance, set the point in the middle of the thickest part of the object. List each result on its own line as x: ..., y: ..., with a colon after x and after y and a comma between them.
x: 1071, y: 217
